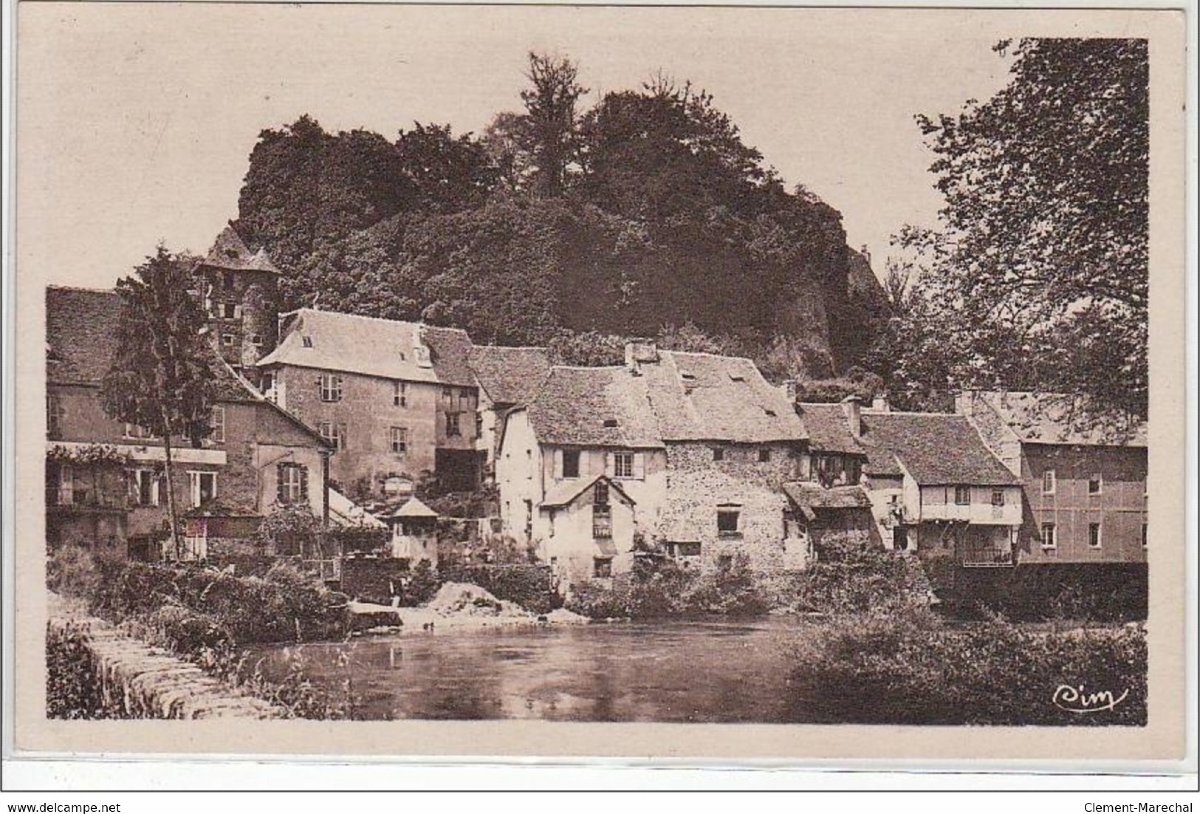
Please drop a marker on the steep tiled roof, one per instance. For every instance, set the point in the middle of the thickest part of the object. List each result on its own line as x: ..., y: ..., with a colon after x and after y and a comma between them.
x: 828, y: 430
x: 594, y: 406
x: 934, y: 448
x: 329, y: 340
x: 81, y: 341
x: 509, y: 375
x: 813, y: 496
x: 1055, y: 418
x: 81, y: 330
x: 229, y: 252
x: 704, y: 397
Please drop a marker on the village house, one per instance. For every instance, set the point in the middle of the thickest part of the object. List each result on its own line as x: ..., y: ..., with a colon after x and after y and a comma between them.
x: 396, y: 400
x: 507, y: 377
x: 935, y: 487
x: 1084, y: 476
x: 684, y: 453
x: 830, y: 498
x: 105, y: 483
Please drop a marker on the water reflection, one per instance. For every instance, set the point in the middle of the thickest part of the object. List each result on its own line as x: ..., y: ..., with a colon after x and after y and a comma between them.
x: 693, y: 671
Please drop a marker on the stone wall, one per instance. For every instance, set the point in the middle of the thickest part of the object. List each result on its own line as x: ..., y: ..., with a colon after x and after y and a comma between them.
x: 96, y: 671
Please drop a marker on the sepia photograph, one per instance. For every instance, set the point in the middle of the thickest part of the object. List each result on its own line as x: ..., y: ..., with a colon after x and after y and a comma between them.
x: 599, y: 365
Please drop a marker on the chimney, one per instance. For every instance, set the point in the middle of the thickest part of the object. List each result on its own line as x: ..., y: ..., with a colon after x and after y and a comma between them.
x: 964, y: 403
x: 420, y: 349
x: 879, y: 404
x: 789, y: 390
x: 639, y: 352
x: 852, y: 409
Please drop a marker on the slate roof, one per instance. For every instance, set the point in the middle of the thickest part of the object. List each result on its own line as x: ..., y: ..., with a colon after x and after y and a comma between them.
x: 414, y: 508
x: 594, y: 406
x: 81, y: 340
x: 230, y: 252
x: 705, y: 397
x: 935, y: 448
x: 814, y: 496
x: 373, y: 347
x: 509, y: 375
x: 828, y: 430
x: 1057, y: 418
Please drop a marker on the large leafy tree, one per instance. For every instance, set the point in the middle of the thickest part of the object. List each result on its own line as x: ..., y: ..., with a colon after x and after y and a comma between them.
x: 161, y: 377
x: 1038, y: 273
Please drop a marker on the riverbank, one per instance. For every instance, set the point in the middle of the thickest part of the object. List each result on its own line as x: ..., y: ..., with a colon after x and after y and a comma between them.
x: 455, y: 607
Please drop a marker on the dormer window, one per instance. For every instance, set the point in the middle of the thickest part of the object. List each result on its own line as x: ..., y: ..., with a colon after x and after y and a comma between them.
x: 306, y: 341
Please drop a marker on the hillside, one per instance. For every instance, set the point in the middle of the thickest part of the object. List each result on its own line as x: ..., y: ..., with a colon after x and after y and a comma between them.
x: 645, y: 214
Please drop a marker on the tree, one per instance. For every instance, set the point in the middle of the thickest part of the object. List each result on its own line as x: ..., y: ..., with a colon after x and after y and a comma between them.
x: 547, y: 130
x: 161, y: 377
x: 1045, y: 228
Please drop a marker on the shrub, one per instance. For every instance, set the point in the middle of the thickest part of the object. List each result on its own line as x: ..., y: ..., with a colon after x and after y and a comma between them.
x: 72, y: 686
x: 528, y: 585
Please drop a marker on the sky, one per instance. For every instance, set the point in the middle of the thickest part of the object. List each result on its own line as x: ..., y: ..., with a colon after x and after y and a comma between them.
x: 135, y: 122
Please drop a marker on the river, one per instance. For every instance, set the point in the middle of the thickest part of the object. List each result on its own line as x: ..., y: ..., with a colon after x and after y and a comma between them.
x: 694, y: 671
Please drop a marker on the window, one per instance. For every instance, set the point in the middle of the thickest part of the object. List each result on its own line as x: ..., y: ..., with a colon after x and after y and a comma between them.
x: 610, y: 423
x: 728, y: 521
x: 1144, y: 537
x: 962, y: 495
x: 136, y: 432
x: 292, y: 480
x: 143, y: 487
x: 684, y: 549
x: 997, y: 497
x: 331, y: 387
x: 228, y: 339
x: 601, y: 512
x: 256, y: 340
x: 54, y: 416
x: 602, y: 567
x: 570, y: 467
x: 217, y: 422
x: 724, y: 562
x: 448, y: 395
x: 333, y: 433
x: 1049, y: 536
x: 203, y: 487
x: 306, y: 341
x: 227, y: 278
x: 400, y: 440
x: 1095, y: 485
x: 623, y: 464
x: 228, y: 310
x: 1093, y: 535
x: 453, y: 426
x: 718, y: 453
x: 400, y: 394
x: 764, y: 455
x: 1049, y: 482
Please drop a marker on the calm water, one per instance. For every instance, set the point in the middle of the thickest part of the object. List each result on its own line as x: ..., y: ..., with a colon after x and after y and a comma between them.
x: 677, y: 671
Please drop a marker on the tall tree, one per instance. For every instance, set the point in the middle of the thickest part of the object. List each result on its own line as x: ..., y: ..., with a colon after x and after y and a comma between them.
x: 1045, y: 229
x: 161, y: 377
x: 547, y: 131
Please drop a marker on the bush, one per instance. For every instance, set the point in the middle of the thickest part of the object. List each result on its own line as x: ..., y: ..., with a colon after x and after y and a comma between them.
x: 528, y: 585
x: 900, y: 664
x: 72, y: 686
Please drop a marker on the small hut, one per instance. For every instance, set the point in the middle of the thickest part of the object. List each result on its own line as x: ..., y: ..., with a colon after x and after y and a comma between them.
x: 414, y: 532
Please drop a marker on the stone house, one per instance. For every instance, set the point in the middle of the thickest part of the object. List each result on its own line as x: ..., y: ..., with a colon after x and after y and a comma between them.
x: 685, y: 452
x: 507, y: 377
x: 1084, y: 476
x: 936, y: 488
x: 105, y: 482
x: 395, y: 399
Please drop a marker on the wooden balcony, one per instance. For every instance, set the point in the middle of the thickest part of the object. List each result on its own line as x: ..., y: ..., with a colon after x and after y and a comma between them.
x: 986, y: 557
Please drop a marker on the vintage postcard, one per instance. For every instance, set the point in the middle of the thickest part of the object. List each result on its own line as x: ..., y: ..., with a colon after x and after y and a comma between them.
x: 731, y: 383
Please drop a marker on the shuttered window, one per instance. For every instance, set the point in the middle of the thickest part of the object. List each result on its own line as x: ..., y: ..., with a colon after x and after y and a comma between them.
x: 330, y: 385
x: 292, y: 481
x: 217, y: 422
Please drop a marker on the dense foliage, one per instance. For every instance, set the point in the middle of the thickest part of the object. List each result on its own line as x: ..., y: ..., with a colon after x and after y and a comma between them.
x: 644, y: 212
x: 1037, y: 276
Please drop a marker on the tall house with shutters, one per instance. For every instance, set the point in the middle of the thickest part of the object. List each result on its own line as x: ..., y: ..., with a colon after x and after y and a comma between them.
x: 682, y: 453
x: 239, y: 291
x: 1084, y: 476
x: 394, y: 399
x: 105, y: 483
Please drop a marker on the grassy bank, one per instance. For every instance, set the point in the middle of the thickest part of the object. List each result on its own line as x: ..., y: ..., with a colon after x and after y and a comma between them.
x: 205, y: 616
